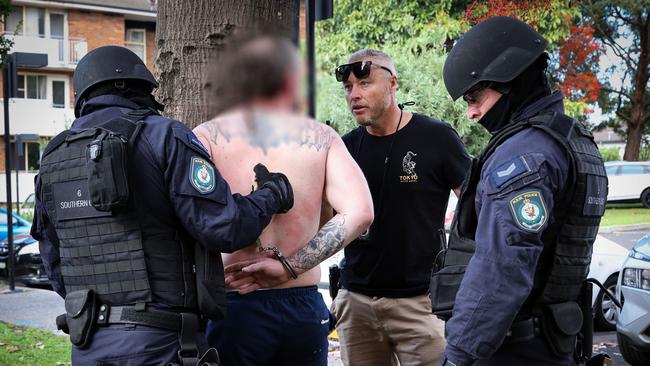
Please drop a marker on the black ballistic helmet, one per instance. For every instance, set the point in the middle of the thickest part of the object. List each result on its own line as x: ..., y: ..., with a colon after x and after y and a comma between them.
x: 104, y: 64
x: 498, y: 49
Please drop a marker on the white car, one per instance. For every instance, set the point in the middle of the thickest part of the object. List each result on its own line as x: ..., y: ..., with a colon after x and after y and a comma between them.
x: 606, y: 261
x: 633, y: 326
x: 629, y: 181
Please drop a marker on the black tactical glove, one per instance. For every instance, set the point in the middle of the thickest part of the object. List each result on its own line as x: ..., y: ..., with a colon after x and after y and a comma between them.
x: 278, y: 183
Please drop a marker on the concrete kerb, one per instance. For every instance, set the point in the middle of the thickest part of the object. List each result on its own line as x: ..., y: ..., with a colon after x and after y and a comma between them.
x: 622, y: 228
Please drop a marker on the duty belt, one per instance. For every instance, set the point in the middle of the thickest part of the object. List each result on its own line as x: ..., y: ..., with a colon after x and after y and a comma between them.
x: 523, y: 330
x: 129, y: 315
x: 186, y: 324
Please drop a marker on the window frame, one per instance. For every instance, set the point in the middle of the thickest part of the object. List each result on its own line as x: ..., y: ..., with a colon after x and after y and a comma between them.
x: 127, y: 43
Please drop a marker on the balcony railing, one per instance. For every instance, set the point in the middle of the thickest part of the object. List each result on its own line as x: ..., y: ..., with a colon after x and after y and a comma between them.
x: 61, y: 51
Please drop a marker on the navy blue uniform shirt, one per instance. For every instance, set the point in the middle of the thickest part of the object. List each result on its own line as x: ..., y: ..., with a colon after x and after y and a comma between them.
x: 164, y: 189
x: 512, y: 217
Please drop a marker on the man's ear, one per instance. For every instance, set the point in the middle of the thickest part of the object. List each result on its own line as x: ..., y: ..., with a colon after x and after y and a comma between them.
x: 394, y: 85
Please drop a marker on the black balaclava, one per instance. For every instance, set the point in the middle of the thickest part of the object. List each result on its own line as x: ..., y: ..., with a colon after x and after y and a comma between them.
x: 523, y: 90
x: 133, y: 90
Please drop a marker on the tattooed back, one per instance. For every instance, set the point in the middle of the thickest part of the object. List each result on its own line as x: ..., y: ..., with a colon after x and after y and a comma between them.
x: 292, y: 144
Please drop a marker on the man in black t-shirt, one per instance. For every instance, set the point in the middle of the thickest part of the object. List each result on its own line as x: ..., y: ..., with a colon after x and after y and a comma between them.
x: 411, y: 163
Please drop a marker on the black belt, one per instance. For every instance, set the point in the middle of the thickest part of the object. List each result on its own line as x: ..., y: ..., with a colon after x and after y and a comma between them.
x: 523, y: 330
x: 129, y: 315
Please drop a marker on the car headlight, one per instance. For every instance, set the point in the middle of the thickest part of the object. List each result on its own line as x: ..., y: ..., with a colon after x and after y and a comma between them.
x: 29, y: 249
x: 637, y: 278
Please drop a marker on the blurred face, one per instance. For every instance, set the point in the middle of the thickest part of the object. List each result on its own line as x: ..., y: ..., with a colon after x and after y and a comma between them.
x: 480, y: 100
x: 370, y: 97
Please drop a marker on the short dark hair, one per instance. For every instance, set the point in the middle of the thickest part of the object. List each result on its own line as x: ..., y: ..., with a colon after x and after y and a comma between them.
x: 250, y: 68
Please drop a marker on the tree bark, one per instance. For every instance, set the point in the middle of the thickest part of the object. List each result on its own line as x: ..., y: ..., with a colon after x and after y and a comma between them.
x: 638, y: 111
x: 191, y: 34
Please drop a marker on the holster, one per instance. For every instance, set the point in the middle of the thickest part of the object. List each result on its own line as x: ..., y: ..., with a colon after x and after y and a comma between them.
x: 335, y: 277
x: 560, y: 326
x: 80, y: 314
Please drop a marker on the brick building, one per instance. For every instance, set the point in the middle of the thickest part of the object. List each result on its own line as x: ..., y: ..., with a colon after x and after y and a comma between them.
x: 65, y: 30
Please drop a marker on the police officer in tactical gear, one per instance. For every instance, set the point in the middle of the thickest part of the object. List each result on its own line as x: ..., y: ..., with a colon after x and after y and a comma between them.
x: 131, y: 216
x: 529, y: 211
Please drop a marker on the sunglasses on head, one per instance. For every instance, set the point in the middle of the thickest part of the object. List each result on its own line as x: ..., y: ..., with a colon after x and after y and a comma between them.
x: 360, y: 69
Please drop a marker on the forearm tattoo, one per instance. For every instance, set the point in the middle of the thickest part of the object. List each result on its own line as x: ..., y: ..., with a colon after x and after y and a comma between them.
x: 327, y: 241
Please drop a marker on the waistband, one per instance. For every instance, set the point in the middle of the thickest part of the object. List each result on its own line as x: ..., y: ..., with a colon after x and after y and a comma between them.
x: 276, y: 293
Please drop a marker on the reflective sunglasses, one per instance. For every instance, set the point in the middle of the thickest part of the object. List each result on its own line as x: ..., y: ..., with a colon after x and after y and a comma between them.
x: 360, y: 69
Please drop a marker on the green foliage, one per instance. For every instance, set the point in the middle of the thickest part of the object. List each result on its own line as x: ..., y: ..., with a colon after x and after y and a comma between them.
x: 30, y: 346
x: 5, y: 43
x: 609, y: 153
x: 415, y: 34
x: 644, y: 154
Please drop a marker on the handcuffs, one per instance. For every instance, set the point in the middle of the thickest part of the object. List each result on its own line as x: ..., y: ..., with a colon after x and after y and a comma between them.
x: 276, y: 252
x: 279, y: 256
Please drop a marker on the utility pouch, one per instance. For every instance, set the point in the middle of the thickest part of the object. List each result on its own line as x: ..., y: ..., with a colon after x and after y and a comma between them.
x: 107, y: 164
x: 80, y: 314
x: 448, y: 271
x: 210, y: 282
x: 560, y: 326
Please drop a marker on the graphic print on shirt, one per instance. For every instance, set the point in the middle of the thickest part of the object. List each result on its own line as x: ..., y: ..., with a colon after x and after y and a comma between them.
x: 408, y: 165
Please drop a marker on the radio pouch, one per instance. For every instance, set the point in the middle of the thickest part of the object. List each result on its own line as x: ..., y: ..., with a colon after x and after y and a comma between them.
x: 560, y: 326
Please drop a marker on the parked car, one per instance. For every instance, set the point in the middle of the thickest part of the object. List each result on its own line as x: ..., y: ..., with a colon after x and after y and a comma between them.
x: 28, y: 264
x: 606, y: 262
x: 20, y: 225
x: 633, y: 325
x: 629, y: 181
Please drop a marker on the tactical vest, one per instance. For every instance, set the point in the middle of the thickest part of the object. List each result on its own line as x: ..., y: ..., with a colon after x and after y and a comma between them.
x: 568, y: 241
x: 101, y: 243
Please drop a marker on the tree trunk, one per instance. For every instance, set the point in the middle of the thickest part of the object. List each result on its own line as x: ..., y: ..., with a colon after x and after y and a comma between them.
x: 190, y: 34
x: 633, y: 145
x: 638, y: 112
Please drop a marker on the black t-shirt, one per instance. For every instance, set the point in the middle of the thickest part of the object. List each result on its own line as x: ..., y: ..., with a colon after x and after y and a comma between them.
x: 427, y: 160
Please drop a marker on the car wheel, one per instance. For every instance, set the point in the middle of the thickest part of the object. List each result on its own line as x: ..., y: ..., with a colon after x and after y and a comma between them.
x: 605, y: 309
x: 631, y: 353
x: 645, y: 198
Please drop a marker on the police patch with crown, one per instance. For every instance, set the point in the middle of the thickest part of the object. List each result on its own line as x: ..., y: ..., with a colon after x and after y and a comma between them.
x: 202, y: 175
x: 529, y: 211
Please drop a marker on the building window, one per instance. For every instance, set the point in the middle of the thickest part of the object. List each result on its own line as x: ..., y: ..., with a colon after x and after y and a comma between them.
x: 29, y: 159
x: 31, y: 86
x: 58, y: 94
x: 14, y: 20
x: 135, y: 41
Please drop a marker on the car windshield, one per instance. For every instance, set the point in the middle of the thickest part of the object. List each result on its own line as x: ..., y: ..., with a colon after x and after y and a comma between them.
x: 643, y: 246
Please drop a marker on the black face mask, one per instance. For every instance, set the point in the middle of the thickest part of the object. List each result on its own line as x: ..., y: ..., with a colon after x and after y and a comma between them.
x: 498, y: 116
x: 525, y: 89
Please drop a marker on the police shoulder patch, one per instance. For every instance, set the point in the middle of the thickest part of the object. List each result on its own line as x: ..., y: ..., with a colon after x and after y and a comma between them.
x: 529, y: 211
x: 202, y: 175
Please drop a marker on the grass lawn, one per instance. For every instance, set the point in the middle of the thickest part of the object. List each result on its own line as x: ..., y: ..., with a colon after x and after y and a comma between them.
x: 27, y: 346
x: 625, y: 214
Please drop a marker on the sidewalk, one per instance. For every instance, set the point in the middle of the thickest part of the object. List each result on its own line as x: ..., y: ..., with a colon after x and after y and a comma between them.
x: 31, y: 307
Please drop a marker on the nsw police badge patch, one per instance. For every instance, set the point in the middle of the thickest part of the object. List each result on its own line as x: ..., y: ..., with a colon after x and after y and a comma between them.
x: 529, y: 211
x: 202, y: 175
